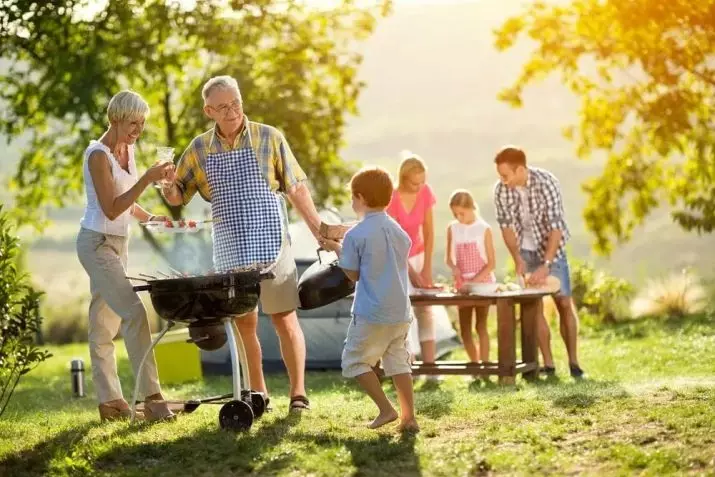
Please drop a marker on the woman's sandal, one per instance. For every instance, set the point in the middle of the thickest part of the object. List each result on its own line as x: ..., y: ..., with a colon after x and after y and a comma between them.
x: 114, y: 412
x: 299, y: 403
x: 157, y: 410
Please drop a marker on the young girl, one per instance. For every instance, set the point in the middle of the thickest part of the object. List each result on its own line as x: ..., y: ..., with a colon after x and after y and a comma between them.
x: 470, y: 255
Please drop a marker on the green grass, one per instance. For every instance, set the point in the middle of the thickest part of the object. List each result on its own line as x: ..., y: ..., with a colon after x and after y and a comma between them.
x: 647, y: 408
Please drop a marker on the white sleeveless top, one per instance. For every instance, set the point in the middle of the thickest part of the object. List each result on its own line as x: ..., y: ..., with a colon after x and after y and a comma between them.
x: 94, y: 218
x: 469, y: 233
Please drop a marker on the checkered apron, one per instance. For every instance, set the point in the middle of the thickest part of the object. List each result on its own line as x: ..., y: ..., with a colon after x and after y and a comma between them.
x: 469, y: 261
x: 249, y: 231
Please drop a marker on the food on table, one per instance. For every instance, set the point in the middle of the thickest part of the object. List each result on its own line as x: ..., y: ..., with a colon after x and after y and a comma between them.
x: 507, y: 287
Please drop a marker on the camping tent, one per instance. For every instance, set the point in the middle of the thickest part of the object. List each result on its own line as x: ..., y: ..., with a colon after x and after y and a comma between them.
x: 324, y: 328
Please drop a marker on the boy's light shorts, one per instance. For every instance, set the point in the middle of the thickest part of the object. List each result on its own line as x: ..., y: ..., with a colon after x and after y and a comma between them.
x: 367, y: 343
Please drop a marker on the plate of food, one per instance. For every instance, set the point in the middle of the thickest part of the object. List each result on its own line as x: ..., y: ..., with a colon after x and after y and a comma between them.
x: 433, y: 290
x: 478, y: 288
x: 177, y: 226
x: 509, y: 288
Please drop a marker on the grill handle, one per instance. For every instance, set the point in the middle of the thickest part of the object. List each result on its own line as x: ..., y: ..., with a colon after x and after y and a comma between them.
x: 320, y: 258
x: 139, y: 288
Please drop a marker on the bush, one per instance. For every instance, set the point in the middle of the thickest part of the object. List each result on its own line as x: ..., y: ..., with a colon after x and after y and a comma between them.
x: 677, y: 295
x: 599, y: 294
x: 20, y: 317
x: 67, y: 321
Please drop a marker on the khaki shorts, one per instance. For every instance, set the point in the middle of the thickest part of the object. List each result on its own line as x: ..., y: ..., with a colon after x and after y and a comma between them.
x: 280, y: 294
x: 368, y: 343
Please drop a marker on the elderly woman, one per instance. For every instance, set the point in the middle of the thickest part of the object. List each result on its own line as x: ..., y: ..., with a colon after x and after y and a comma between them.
x: 411, y: 206
x: 112, y: 187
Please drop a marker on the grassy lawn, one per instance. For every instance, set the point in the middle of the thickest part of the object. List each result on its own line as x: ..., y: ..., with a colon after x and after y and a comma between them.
x: 647, y: 408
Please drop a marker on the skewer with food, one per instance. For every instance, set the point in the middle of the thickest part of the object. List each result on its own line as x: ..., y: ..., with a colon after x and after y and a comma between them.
x: 177, y: 226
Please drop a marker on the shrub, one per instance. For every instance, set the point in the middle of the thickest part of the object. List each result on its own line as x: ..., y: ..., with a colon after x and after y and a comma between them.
x: 677, y: 295
x: 20, y: 317
x: 599, y: 294
x: 67, y: 321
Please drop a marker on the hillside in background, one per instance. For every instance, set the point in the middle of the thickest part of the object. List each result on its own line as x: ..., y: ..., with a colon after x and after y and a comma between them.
x: 432, y: 79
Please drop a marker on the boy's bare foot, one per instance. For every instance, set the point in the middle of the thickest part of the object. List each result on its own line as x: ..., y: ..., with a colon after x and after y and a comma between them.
x: 409, y: 425
x: 383, y: 418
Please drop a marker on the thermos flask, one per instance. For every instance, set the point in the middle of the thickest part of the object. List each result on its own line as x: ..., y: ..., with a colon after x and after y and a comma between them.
x: 77, y: 373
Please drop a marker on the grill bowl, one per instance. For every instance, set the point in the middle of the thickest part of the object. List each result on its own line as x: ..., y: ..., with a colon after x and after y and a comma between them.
x: 205, y: 305
x: 205, y: 299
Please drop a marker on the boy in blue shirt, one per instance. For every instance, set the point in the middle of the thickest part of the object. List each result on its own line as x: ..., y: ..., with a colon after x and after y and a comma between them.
x: 374, y: 254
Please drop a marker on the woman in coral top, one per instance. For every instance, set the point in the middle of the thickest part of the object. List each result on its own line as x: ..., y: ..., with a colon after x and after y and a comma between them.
x: 411, y: 206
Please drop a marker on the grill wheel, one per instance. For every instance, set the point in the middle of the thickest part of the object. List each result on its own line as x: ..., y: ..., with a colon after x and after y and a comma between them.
x: 236, y: 416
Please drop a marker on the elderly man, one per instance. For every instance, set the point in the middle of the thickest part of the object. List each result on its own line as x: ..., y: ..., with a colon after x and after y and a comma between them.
x: 243, y: 168
x: 530, y: 213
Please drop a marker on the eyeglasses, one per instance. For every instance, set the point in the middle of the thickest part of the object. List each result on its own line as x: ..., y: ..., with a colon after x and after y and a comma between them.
x: 225, y: 108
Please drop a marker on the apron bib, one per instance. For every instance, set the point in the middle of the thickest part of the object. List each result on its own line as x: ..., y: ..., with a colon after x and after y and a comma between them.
x: 469, y: 261
x: 249, y: 231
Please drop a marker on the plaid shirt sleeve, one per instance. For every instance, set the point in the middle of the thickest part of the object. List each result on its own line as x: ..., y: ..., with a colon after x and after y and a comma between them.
x: 288, y: 171
x: 554, y: 203
x: 186, y: 173
x: 505, y: 218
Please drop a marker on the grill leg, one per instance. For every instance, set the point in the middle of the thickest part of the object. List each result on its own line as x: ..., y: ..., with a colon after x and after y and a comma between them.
x: 245, y: 372
x: 233, y: 339
x: 138, y: 377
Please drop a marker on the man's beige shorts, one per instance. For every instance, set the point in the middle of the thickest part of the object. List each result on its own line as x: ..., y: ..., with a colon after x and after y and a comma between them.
x: 367, y: 343
x: 280, y: 294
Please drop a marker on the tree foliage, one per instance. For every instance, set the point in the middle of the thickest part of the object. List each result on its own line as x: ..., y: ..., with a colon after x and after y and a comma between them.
x: 19, y: 317
x: 296, y: 67
x: 645, y: 74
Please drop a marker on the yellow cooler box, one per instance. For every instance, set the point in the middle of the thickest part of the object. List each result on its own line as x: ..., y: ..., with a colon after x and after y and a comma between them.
x: 177, y: 360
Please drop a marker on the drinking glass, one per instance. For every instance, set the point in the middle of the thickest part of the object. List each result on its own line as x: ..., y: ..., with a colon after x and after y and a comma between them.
x: 164, y: 154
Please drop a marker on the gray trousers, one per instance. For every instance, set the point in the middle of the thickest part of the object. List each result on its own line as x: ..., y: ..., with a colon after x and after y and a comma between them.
x: 114, y: 306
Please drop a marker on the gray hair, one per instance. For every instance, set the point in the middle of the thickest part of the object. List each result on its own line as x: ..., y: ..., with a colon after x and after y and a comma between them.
x: 127, y: 105
x: 221, y: 82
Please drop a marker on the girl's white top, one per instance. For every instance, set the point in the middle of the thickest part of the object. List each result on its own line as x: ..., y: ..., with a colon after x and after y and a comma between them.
x: 469, y: 233
x: 94, y: 218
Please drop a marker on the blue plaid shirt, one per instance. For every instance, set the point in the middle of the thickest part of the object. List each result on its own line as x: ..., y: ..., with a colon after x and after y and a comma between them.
x: 545, y: 206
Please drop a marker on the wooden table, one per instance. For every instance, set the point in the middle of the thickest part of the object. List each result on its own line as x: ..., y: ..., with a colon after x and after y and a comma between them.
x: 507, y: 366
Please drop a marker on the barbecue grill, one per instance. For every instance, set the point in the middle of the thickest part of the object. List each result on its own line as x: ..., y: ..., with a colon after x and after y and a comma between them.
x: 208, y: 304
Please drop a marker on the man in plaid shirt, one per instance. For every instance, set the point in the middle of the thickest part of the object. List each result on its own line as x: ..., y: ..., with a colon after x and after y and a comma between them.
x: 530, y: 213
x: 278, y: 166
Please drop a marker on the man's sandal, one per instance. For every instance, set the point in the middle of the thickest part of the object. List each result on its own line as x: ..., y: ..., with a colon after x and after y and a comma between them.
x: 299, y: 403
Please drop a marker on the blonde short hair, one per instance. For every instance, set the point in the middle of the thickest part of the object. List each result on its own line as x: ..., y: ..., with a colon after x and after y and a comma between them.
x: 220, y: 82
x: 463, y: 198
x: 127, y: 105
x: 410, y: 164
